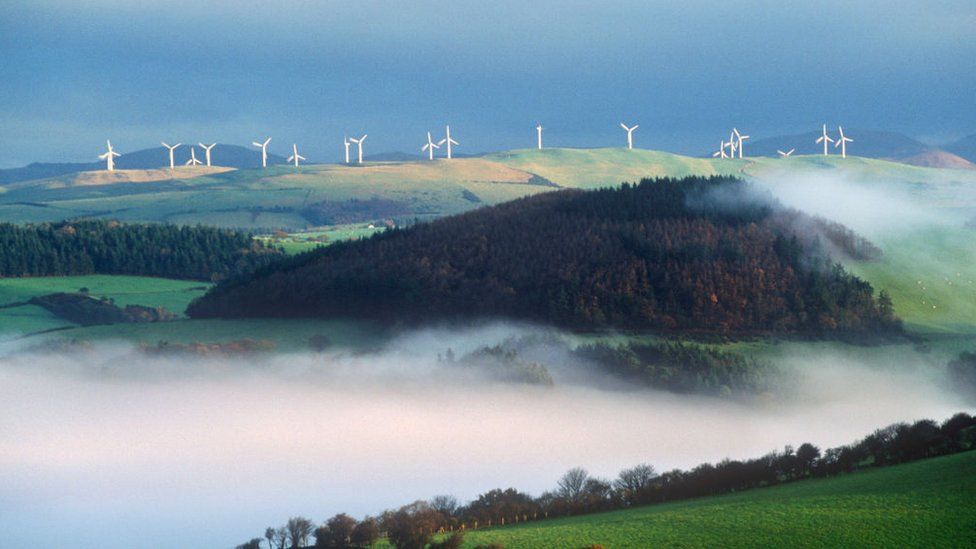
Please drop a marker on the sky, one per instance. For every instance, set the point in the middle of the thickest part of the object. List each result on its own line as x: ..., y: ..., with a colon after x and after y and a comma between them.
x: 76, y: 73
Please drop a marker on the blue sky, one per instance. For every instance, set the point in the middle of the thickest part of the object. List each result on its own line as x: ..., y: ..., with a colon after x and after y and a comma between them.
x: 76, y: 73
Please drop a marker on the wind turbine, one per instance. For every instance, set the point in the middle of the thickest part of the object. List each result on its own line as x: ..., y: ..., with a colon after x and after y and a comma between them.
x: 720, y: 153
x: 264, y: 151
x: 207, y: 149
x: 732, y: 145
x: 359, y: 142
x: 109, y: 157
x: 538, y: 135
x: 786, y: 154
x: 740, y: 138
x: 630, y: 134
x: 430, y: 146
x: 447, y: 139
x: 842, y: 142
x: 294, y: 155
x: 193, y: 158
x: 172, y: 163
x: 825, y: 139
x: 345, y: 141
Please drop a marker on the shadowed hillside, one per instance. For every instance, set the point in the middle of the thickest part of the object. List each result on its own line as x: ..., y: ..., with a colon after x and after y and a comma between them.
x: 694, y: 254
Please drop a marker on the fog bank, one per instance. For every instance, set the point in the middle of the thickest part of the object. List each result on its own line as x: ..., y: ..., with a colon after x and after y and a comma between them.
x: 111, y: 448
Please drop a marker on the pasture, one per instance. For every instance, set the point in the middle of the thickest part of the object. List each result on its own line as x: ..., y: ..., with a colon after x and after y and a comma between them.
x: 926, y: 503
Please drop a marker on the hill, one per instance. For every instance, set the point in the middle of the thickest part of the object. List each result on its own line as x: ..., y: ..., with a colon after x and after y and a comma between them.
x: 921, y: 504
x: 228, y: 156
x: 693, y: 254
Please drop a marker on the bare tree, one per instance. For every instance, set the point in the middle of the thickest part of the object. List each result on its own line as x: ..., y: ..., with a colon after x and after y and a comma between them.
x: 632, y: 482
x: 571, y: 485
x: 445, y: 505
x: 269, y: 534
x: 281, y: 537
x: 255, y: 543
x: 299, y: 530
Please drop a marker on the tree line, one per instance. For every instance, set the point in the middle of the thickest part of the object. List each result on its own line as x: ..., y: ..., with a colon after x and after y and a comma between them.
x: 110, y: 247
x: 417, y: 525
x: 667, y: 254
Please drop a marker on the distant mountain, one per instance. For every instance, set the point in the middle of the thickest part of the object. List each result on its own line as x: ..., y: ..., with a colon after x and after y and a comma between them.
x: 938, y: 159
x: 867, y: 143
x: 965, y: 147
x: 233, y: 156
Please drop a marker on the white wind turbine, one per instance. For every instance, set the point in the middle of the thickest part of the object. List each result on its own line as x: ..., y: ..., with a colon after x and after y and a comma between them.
x: 786, y: 154
x: 430, y: 146
x: 264, y: 151
x: 630, y: 134
x: 359, y: 142
x: 720, y: 153
x: 109, y: 157
x: 193, y: 158
x: 825, y: 139
x: 172, y: 163
x: 732, y: 145
x: 345, y: 141
x: 447, y: 139
x: 538, y: 136
x: 740, y: 138
x: 842, y: 142
x: 295, y: 157
x: 207, y: 149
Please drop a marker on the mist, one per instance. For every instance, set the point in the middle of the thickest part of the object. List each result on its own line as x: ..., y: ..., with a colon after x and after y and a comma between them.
x: 109, y: 447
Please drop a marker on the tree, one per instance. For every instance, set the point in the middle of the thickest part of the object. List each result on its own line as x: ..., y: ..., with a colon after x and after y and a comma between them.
x: 445, y: 505
x: 299, y: 530
x: 271, y: 535
x: 340, y: 528
x: 806, y: 457
x: 366, y: 532
x: 255, y: 543
x: 571, y: 486
x: 633, y: 483
x: 412, y: 526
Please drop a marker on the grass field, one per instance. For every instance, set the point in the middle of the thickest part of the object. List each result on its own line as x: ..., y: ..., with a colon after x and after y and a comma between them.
x: 303, y: 241
x: 174, y: 295
x: 926, y: 503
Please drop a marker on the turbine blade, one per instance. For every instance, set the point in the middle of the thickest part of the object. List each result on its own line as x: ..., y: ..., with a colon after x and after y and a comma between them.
x: 255, y: 143
x: 624, y: 126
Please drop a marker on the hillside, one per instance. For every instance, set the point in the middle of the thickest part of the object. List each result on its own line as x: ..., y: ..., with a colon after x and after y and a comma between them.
x: 965, y: 147
x: 665, y: 254
x: 926, y: 503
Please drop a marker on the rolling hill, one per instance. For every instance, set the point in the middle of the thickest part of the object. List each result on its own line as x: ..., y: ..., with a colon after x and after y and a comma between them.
x: 965, y: 147
x: 227, y: 156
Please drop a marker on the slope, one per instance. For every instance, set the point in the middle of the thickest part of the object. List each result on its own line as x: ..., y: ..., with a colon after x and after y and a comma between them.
x: 926, y: 503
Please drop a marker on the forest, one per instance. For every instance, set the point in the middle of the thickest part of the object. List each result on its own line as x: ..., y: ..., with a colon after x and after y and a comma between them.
x: 415, y: 525
x: 684, y: 255
x: 110, y: 247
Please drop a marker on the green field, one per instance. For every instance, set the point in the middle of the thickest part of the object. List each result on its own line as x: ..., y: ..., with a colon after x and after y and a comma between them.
x: 174, y: 295
x: 927, y: 503
x: 303, y: 241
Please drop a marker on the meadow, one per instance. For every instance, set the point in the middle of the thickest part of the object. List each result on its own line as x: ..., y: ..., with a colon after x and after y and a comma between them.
x: 926, y: 503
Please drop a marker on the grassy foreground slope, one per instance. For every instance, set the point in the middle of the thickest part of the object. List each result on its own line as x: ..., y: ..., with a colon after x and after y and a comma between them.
x: 927, y: 503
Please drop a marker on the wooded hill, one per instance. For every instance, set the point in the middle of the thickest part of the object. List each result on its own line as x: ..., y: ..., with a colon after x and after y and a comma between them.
x: 696, y: 254
x: 109, y: 247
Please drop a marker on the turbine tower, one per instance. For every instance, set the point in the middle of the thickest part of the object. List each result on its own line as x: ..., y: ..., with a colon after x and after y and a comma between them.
x: 786, y: 154
x: 447, y: 139
x: 193, y: 158
x: 720, y: 153
x: 295, y: 157
x: 359, y: 142
x: 740, y: 138
x: 109, y: 157
x: 825, y: 139
x: 172, y: 163
x: 264, y: 151
x: 842, y: 142
x: 630, y: 134
x: 345, y: 141
x: 732, y: 144
x: 538, y: 135
x: 207, y: 149
x: 430, y: 146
